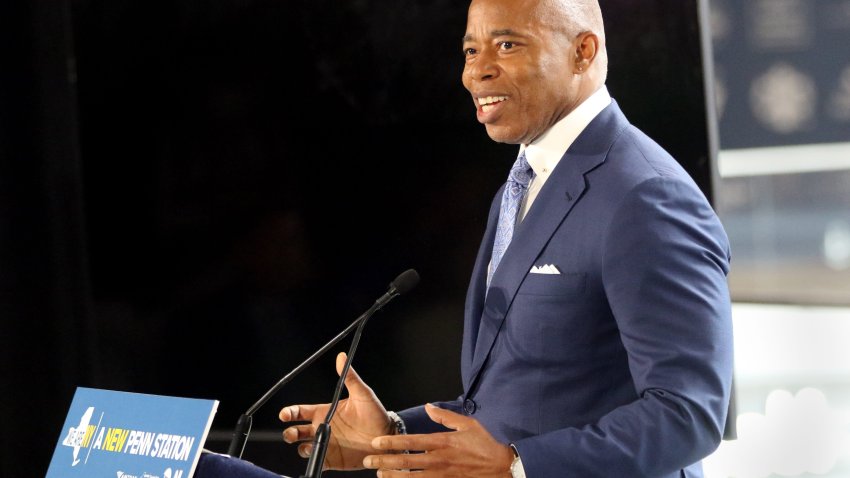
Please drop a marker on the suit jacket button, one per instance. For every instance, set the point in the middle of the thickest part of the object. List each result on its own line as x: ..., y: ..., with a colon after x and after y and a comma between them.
x: 469, y: 406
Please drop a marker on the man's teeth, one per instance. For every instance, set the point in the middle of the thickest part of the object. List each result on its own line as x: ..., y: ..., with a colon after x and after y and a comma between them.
x: 488, y: 102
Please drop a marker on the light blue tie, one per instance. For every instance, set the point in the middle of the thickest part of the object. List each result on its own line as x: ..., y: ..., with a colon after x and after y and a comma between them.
x: 518, y: 180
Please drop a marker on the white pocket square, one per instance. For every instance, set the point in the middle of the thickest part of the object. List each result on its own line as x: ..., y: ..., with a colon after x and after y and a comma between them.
x: 545, y: 269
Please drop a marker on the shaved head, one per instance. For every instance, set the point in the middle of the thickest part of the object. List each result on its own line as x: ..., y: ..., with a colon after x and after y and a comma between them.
x: 574, y: 17
x: 579, y: 16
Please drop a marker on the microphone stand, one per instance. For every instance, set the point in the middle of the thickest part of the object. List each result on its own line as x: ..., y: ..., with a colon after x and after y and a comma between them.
x: 323, y: 431
x: 243, y: 425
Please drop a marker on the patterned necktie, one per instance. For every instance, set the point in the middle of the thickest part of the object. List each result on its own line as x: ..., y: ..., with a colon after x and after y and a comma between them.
x: 518, y: 180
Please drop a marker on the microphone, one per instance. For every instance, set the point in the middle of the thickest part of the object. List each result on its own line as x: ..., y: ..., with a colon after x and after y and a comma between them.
x: 402, y: 284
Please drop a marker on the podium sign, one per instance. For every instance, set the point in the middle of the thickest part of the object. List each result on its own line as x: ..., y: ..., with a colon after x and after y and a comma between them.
x: 112, y: 434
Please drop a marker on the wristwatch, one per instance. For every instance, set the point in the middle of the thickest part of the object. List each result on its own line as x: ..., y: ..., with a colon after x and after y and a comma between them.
x: 397, y: 423
x: 517, y: 471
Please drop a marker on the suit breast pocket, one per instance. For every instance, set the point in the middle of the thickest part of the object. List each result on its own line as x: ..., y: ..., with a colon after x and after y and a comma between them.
x: 566, y: 285
x: 548, y: 322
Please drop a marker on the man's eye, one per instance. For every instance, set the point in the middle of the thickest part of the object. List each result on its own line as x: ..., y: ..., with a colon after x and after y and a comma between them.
x: 469, y: 51
x: 506, y: 45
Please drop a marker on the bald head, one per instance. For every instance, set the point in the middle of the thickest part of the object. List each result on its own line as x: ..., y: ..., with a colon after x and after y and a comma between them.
x: 580, y: 15
x: 575, y: 17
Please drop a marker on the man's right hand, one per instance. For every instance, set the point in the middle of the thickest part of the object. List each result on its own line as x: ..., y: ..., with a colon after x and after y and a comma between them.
x: 358, y: 419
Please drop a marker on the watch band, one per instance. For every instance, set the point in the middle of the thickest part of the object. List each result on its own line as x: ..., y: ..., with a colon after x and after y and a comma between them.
x: 398, y: 424
x: 517, y: 470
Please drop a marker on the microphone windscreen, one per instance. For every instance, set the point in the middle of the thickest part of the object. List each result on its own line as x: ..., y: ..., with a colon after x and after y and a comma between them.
x: 405, y: 281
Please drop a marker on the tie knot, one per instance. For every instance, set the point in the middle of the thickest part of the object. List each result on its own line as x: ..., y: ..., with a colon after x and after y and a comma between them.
x: 521, y: 172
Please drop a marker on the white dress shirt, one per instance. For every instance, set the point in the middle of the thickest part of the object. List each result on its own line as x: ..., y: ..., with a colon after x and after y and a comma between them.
x: 545, y: 153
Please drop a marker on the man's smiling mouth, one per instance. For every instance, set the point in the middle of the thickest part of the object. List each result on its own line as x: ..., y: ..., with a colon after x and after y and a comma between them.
x: 487, y: 102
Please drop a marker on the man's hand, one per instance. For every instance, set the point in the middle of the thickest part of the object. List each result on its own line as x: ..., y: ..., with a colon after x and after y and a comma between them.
x: 358, y: 420
x: 470, y: 450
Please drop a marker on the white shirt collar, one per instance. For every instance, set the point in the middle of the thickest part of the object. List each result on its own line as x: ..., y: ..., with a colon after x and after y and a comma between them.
x: 545, y: 153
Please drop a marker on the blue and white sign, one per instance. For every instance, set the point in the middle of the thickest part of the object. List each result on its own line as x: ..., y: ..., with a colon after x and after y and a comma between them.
x: 112, y: 434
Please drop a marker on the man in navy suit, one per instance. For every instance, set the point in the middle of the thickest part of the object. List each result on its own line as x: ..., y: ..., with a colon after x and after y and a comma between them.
x: 602, y: 345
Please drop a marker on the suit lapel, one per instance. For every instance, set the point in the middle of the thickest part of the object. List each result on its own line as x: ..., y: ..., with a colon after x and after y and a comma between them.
x: 562, y: 191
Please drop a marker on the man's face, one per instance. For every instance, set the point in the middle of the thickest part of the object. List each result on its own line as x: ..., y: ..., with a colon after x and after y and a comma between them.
x: 519, y: 67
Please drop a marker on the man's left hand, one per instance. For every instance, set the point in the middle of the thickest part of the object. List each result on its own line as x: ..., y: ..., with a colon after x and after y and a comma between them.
x: 469, y: 450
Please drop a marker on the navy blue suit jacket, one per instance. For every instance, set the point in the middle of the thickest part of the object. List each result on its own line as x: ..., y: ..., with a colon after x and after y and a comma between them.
x: 621, y: 365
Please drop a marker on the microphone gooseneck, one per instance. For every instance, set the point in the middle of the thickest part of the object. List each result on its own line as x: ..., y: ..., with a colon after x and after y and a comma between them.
x: 323, y: 431
x: 402, y: 284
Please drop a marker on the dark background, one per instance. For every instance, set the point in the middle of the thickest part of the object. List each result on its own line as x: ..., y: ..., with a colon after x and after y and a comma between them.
x: 194, y: 197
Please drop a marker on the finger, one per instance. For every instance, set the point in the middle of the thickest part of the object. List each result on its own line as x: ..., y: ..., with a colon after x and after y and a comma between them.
x: 409, y: 473
x: 353, y: 383
x: 447, y: 418
x: 297, y: 413
x: 299, y: 433
x: 415, y: 461
x: 305, y: 449
x: 426, y: 442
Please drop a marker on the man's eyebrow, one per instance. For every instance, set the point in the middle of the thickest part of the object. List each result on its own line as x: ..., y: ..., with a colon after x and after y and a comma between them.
x: 493, y: 34
x: 503, y: 33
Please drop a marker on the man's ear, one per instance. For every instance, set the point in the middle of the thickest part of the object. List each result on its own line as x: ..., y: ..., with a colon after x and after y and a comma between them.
x: 586, y: 46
